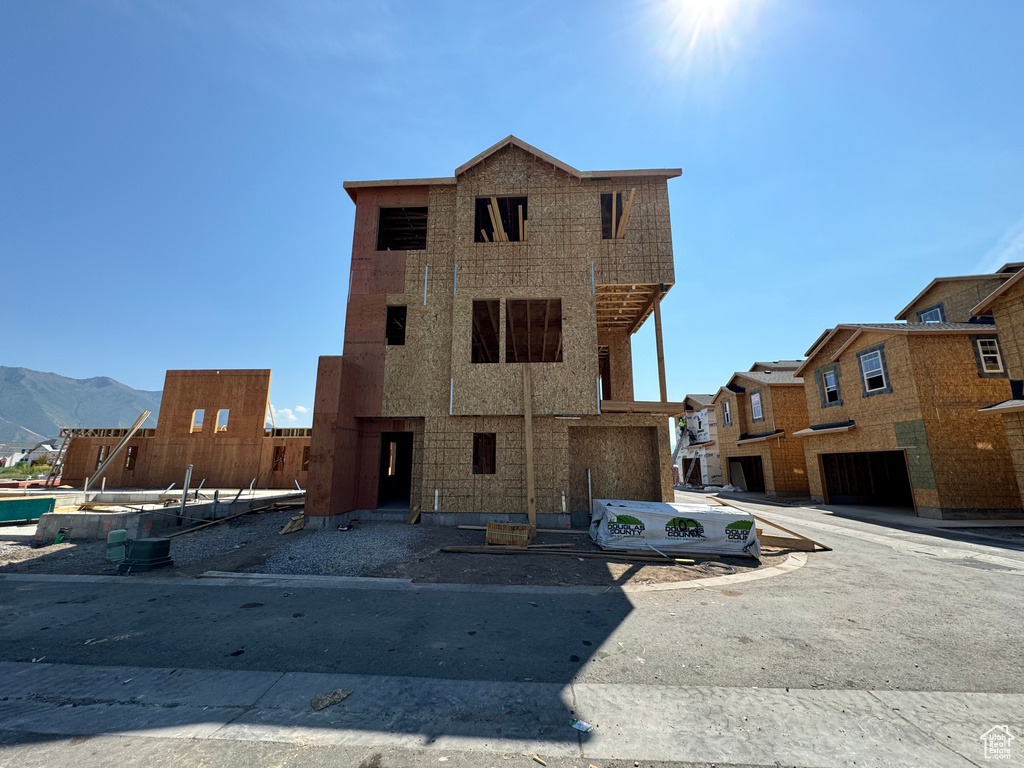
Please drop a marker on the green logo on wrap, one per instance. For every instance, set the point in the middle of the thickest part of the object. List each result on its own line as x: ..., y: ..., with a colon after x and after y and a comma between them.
x: 738, y: 531
x: 684, y: 528
x: 625, y: 525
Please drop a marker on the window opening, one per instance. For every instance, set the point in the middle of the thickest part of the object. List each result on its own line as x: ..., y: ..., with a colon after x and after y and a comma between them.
x: 933, y: 315
x: 533, y: 331
x: 727, y: 413
x: 222, y: 419
x: 402, y: 229
x: 197, y: 420
x: 991, y: 360
x: 278, y: 465
x: 755, y: 406
x: 484, y: 449
x: 486, y: 347
x: 830, y: 385
x: 873, y: 371
x: 615, y: 211
x: 500, y: 220
x: 305, y: 458
x: 131, y: 454
x: 395, y: 327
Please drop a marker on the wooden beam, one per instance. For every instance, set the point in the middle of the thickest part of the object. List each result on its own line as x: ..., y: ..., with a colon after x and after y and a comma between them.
x: 484, y: 233
x: 494, y: 224
x: 727, y: 503
x: 497, y: 220
x: 661, y: 350
x: 626, y: 209
x: 531, y: 496
x: 544, y: 343
x: 643, y: 313
x: 529, y: 337
x: 521, y: 238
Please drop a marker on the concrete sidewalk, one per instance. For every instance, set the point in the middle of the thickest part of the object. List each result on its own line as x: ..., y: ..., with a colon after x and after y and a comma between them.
x: 633, y: 722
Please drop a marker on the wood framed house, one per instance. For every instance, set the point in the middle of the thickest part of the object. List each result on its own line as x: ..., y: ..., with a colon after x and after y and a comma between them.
x: 697, y: 460
x: 487, y: 363
x: 894, y: 419
x: 758, y: 412
x: 1005, y: 306
x: 953, y: 299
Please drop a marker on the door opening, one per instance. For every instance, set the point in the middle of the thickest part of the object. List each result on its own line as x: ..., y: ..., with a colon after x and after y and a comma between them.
x: 747, y: 473
x: 394, y: 490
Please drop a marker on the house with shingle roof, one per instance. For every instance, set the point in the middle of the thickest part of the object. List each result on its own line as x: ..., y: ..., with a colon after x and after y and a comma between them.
x: 758, y: 412
x: 893, y: 417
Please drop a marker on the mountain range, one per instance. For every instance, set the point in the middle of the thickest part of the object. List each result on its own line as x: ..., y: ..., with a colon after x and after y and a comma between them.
x: 35, y: 405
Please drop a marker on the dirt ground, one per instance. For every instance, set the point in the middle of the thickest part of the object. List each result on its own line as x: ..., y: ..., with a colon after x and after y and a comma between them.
x: 428, y: 564
x: 391, y: 550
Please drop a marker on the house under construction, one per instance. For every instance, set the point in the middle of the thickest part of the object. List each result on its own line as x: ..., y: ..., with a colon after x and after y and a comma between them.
x: 213, y: 420
x: 487, y: 366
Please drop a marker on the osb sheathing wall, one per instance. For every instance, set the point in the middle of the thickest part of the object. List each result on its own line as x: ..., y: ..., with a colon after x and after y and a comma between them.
x: 958, y: 298
x: 934, y: 381
x: 782, y: 458
x: 231, y: 458
x: 620, y: 363
x: 429, y: 381
x: 874, y: 416
x: 970, y: 453
x: 1008, y: 311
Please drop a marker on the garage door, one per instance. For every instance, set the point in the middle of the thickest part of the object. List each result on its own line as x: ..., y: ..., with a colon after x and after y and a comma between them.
x: 874, y: 478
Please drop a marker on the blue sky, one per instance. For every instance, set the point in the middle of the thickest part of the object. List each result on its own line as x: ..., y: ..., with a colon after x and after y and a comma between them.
x: 170, y: 172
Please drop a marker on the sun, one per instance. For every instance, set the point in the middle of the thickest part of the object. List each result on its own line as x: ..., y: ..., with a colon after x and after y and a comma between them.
x: 689, y: 30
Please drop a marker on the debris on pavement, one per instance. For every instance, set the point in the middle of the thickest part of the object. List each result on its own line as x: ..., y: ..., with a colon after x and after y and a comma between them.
x: 324, y: 700
x: 580, y: 725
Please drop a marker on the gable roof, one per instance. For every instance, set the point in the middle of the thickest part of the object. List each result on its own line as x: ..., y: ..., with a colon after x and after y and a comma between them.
x: 902, y: 314
x: 769, y: 377
x: 985, y: 307
x: 702, y: 400
x: 776, y: 365
x: 511, y: 141
x: 860, y: 328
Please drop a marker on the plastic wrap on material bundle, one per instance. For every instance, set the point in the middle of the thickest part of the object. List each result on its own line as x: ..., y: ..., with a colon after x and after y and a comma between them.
x: 679, y: 528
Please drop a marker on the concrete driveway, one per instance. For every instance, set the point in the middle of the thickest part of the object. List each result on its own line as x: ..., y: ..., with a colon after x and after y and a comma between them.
x: 901, y: 647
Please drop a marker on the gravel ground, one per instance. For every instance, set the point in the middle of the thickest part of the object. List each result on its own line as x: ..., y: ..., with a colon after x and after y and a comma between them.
x: 357, y: 552
x: 189, y: 551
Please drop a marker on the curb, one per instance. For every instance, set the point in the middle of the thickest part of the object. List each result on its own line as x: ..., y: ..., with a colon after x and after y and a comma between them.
x: 227, y: 578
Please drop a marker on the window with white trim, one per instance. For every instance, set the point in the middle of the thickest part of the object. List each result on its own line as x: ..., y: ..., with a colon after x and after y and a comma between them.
x: 931, y: 315
x: 726, y: 413
x: 755, y: 406
x: 988, y: 353
x: 830, y: 386
x: 873, y: 371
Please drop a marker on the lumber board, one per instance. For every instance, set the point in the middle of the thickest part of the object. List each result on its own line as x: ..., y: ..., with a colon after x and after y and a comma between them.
x: 493, y: 550
x: 494, y: 224
x: 539, y: 530
x: 661, y: 350
x: 727, y: 503
x: 786, y: 542
x: 531, y: 491
x: 207, y: 525
x: 521, y: 238
x: 413, y: 517
x: 497, y: 220
x: 484, y: 233
x: 626, y: 210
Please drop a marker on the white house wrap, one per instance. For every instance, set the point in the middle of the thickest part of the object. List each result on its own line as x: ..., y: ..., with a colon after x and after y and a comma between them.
x: 676, y: 528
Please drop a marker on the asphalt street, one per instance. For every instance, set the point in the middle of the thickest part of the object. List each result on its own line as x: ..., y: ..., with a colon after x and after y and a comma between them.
x: 900, y: 647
